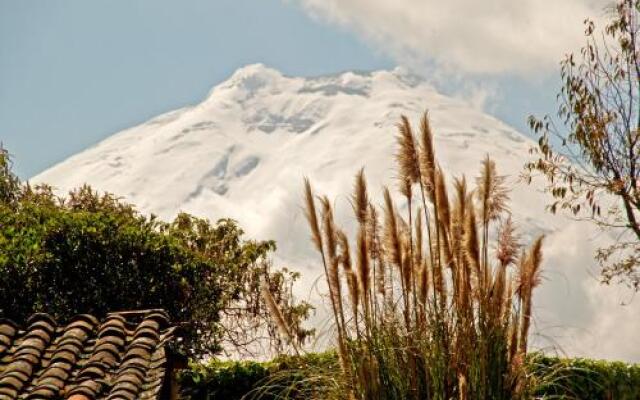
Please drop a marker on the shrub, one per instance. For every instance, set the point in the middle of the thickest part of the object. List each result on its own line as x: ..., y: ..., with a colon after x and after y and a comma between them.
x: 228, y: 380
x: 291, y: 377
x: 579, y: 378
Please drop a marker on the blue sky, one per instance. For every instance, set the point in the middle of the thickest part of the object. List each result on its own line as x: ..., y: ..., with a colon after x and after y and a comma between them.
x: 73, y: 72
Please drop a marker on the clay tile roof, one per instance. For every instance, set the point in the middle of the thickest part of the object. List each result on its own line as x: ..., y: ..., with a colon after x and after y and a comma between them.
x: 121, y: 357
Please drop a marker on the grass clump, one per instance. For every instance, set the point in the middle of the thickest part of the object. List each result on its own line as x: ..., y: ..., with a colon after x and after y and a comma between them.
x: 426, y: 304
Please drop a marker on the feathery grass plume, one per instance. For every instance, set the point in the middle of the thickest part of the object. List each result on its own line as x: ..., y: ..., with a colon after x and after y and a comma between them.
x: 405, y: 266
x: 316, y: 236
x: 329, y: 229
x: 331, y: 240
x: 407, y: 263
x: 444, y: 220
x: 492, y: 197
x: 312, y: 216
x: 507, y: 301
x: 360, y: 198
x: 521, y: 276
x: 536, y: 262
x: 496, y: 294
x: 531, y: 279
x: 472, y: 246
x: 514, y: 332
x: 352, y: 280
x: 427, y: 163
x: 427, y: 154
x: 405, y: 188
x: 492, y: 193
x: 442, y: 200
x: 419, y: 272
x: 374, y: 244
x: 277, y: 315
x: 333, y: 281
x: 408, y: 163
x: 373, y: 234
x: 364, y: 269
x: 354, y: 294
x: 392, y: 244
x: 462, y: 197
x: 437, y: 274
x: 407, y: 155
x: 420, y: 268
x: 417, y: 256
x: 507, y: 247
x: 458, y: 220
x: 508, y: 242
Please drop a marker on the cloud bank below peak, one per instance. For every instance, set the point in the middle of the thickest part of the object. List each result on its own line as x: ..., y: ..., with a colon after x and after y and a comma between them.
x: 527, y: 37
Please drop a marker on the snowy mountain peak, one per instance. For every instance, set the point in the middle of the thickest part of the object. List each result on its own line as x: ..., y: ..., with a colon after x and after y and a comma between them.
x: 251, y: 78
x: 260, y: 131
x: 243, y: 151
x: 257, y: 69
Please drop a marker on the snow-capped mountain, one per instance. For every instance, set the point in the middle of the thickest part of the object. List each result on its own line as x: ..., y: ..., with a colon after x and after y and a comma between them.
x: 244, y: 150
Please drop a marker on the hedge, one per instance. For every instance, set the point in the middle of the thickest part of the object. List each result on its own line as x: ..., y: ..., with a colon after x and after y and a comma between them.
x: 231, y: 380
x: 560, y: 378
x: 579, y: 378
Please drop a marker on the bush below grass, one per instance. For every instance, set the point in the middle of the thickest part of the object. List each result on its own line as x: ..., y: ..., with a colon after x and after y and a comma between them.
x: 586, y: 379
x: 562, y: 378
x: 234, y: 380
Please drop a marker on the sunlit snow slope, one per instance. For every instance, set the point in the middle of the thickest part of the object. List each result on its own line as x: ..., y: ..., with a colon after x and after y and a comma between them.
x: 244, y: 150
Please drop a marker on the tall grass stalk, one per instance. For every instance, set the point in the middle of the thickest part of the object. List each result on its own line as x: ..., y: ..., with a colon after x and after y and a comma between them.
x: 432, y: 309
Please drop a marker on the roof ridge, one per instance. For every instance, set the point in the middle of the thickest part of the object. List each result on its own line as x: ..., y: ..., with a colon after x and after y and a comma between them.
x: 156, y: 313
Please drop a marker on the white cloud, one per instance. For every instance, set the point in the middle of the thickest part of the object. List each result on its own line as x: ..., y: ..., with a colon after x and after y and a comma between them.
x: 523, y: 37
x: 481, y: 95
x: 575, y: 313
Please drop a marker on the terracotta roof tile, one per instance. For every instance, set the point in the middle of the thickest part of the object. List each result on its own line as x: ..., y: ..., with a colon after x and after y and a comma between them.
x: 121, y: 357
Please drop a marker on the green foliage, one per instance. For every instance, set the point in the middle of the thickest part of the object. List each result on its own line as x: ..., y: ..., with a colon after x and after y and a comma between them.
x: 557, y: 378
x: 222, y: 380
x: 91, y: 253
x: 94, y: 255
x: 9, y: 183
x: 289, y: 377
x: 579, y: 378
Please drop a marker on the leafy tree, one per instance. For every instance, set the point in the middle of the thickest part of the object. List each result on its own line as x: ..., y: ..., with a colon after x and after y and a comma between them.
x: 9, y: 182
x: 92, y: 253
x: 591, y: 159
